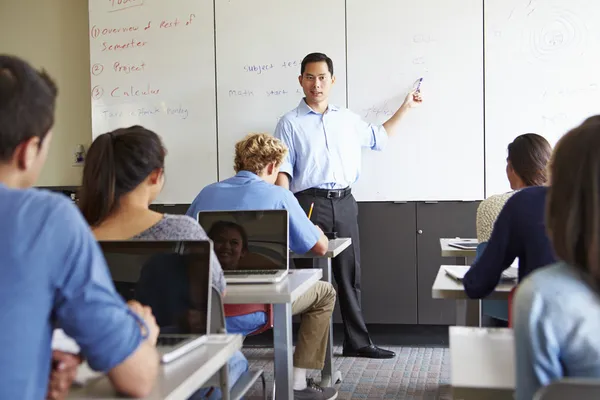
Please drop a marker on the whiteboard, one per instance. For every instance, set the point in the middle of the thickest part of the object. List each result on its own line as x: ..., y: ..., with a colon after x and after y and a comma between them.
x: 259, y: 47
x: 437, y: 153
x: 542, y: 75
x: 153, y: 65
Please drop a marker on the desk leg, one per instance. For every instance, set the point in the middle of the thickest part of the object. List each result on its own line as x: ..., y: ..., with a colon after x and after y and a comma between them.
x: 282, y: 332
x: 329, y: 376
x: 224, y: 378
x: 468, y: 312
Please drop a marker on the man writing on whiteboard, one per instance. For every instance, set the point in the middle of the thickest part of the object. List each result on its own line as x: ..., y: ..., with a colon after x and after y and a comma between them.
x: 323, y: 163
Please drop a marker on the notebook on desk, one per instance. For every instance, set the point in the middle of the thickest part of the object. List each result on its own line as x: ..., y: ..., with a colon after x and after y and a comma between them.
x: 252, y: 246
x: 173, y: 278
x: 464, y: 245
x: 458, y: 272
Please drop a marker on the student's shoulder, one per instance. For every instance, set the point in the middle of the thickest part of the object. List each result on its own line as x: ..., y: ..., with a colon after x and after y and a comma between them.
x: 527, y: 198
x: 494, y: 203
x: 560, y: 285
x: 39, y: 203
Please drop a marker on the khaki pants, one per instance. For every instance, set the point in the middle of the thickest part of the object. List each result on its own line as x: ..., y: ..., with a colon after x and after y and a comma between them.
x: 315, y: 308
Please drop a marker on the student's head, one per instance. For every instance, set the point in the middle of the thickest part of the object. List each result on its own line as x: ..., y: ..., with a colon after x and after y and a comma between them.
x: 261, y: 154
x: 526, y: 164
x: 573, y: 208
x: 316, y: 77
x: 231, y: 243
x: 125, y: 162
x: 27, y: 102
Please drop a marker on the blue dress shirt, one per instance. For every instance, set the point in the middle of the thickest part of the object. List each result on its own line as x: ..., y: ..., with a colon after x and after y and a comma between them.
x: 54, y: 274
x: 325, y: 149
x: 556, y: 324
x: 247, y: 191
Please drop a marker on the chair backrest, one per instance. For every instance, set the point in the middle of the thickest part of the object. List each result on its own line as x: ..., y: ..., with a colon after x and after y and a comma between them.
x: 570, y: 388
x: 217, y: 315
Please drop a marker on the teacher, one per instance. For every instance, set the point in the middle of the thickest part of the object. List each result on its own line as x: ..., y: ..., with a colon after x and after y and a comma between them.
x: 323, y: 163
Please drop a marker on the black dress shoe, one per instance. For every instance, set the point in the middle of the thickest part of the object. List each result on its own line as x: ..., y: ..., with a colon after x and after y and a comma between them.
x: 371, y: 351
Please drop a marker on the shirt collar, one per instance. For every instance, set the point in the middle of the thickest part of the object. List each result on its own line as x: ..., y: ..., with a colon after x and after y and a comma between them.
x: 303, y: 108
x: 248, y: 175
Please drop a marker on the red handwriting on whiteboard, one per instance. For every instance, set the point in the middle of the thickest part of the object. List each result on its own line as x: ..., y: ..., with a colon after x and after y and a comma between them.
x: 128, y: 68
x: 97, y: 69
x: 119, y: 5
x: 123, y: 46
x: 96, y: 31
x: 170, y: 24
x: 132, y: 91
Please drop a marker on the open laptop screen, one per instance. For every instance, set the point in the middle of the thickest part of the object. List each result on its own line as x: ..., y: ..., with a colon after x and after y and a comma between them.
x: 248, y: 240
x: 173, y: 278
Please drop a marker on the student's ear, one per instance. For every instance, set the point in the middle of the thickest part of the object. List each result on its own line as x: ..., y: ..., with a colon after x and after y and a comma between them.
x: 155, y: 176
x: 300, y: 79
x: 332, y: 79
x: 271, y: 168
x: 27, y: 152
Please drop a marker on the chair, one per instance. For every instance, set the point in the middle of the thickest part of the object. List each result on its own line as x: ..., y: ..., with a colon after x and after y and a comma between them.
x: 570, y: 388
x: 217, y: 326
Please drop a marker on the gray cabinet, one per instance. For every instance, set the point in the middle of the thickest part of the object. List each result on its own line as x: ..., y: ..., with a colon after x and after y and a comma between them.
x: 388, y: 259
x: 435, y: 221
x: 388, y: 263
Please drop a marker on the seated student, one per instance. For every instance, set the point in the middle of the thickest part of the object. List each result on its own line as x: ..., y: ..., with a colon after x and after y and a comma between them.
x: 557, y: 308
x: 53, y: 272
x: 519, y: 231
x: 526, y: 163
x: 257, y: 161
x: 122, y: 176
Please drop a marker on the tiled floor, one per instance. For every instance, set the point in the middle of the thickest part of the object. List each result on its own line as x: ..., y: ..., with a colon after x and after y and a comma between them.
x: 415, y: 373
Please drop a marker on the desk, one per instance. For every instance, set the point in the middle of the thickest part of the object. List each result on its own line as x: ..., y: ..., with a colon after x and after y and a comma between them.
x: 180, y: 378
x: 461, y: 255
x: 445, y: 287
x: 281, y: 295
x: 329, y: 376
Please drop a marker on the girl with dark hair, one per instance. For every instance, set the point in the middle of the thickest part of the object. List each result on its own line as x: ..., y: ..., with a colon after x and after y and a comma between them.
x: 123, y: 175
x: 526, y: 166
x: 518, y: 231
x: 557, y: 308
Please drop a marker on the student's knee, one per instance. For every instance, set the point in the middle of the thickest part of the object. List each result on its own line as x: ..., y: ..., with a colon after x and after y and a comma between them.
x: 328, y: 294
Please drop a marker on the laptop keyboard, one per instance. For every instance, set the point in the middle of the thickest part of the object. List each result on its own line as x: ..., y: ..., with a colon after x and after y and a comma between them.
x: 169, y: 340
x: 251, y: 272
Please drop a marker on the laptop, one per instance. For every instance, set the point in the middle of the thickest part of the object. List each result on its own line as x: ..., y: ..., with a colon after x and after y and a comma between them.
x: 173, y: 278
x: 458, y: 272
x: 252, y: 246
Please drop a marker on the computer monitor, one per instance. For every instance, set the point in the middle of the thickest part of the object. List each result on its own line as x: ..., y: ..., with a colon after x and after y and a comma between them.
x: 248, y: 240
x: 172, y: 277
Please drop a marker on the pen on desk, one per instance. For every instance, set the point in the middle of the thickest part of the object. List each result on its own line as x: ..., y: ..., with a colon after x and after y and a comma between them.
x: 310, y: 211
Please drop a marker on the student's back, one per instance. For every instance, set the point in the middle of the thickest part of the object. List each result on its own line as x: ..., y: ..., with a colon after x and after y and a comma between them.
x: 49, y: 259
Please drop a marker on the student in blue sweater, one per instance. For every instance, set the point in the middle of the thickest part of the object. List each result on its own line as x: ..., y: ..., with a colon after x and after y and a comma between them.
x: 557, y: 308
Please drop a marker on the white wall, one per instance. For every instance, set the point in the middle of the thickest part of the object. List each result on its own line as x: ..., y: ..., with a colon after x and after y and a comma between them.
x: 52, y: 34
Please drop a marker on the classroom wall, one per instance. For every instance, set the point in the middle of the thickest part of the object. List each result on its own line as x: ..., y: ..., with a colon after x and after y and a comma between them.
x: 53, y: 34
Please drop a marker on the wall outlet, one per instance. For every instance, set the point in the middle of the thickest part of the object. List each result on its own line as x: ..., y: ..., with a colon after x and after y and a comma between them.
x: 79, y: 156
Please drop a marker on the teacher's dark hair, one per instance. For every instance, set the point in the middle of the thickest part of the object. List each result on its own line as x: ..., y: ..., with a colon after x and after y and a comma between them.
x: 573, y: 204
x: 528, y: 155
x: 316, y: 57
x: 117, y: 162
x: 27, y: 103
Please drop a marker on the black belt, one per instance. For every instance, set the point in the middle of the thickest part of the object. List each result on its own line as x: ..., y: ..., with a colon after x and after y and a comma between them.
x: 328, y: 193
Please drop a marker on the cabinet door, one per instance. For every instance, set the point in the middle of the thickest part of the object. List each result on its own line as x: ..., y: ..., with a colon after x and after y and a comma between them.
x: 435, y: 221
x: 388, y: 263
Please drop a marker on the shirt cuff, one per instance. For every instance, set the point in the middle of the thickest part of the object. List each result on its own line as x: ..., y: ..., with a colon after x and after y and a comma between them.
x: 381, y: 138
x: 287, y: 168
